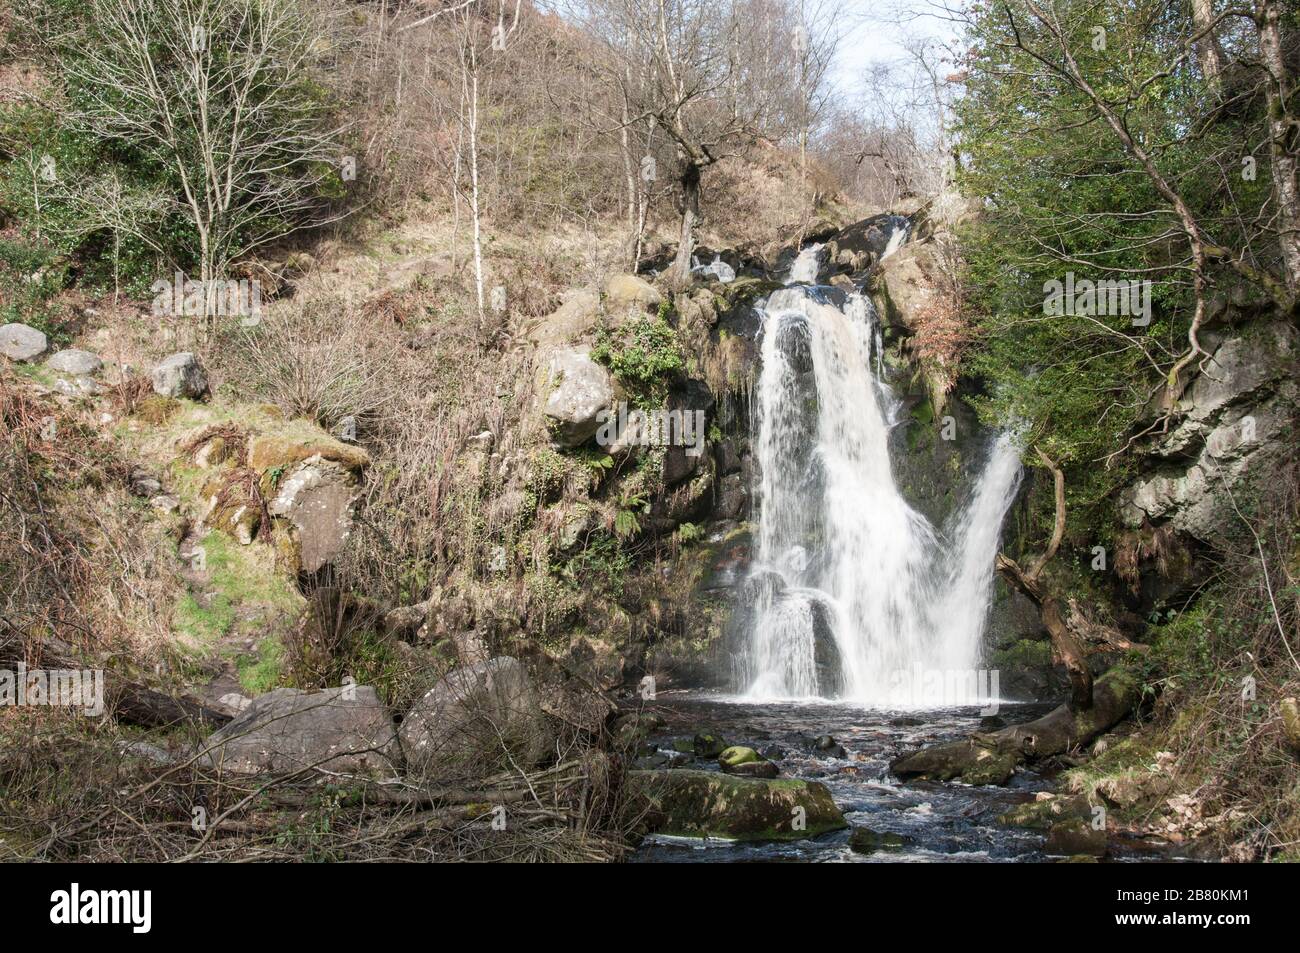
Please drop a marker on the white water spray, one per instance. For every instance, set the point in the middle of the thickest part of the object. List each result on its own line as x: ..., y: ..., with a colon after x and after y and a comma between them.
x: 856, y: 595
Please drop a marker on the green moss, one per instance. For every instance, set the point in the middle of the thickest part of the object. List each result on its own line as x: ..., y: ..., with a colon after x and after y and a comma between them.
x: 262, y: 671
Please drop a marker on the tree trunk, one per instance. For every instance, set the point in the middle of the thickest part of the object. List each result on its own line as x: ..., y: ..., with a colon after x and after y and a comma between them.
x: 1066, y: 645
x: 1208, y: 55
x: 1281, y: 139
x: 690, y: 206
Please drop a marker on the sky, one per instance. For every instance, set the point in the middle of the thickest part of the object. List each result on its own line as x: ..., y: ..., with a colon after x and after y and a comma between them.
x: 877, y: 33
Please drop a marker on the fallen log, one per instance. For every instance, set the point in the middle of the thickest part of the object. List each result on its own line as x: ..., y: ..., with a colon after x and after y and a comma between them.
x: 991, y: 758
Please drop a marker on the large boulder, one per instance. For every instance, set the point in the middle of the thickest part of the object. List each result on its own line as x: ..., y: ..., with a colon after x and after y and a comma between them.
x: 579, y: 390
x: 478, y: 719
x: 76, y: 363
x: 181, y: 375
x: 626, y: 292
x: 343, y: 729
x: 687, y: 803
x: 18, y: 342
x: 574, y: 319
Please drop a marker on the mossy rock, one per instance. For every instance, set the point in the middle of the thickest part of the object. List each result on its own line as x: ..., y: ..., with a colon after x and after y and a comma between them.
x: 1041, y: 815
x: 704, y: 804
x: 1074, y: 838
x: 736, y: 755
x: 231, y: 509
x: 283, y: 451
x: 864, y: 840
x: 707, y: 744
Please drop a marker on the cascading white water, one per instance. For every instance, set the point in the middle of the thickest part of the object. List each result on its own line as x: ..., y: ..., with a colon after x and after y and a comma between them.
x: 854, y: 592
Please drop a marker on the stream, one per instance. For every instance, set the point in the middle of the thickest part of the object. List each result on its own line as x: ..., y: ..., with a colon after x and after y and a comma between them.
x: 938, y: 823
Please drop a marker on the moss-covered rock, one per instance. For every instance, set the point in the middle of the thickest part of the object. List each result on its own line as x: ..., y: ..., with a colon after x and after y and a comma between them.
x: 687, y: 803
x: 1042, y: 814
x: 284, y: 450
x: 1074, y: 838
x: 864, y: 840
x: 708, y: 744
x: 737, y: 754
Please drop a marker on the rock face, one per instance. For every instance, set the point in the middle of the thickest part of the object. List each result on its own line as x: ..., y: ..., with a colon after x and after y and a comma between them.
x: 342, y: 729
x: 473, y: 717
x: 687, y: 803
x: 317, y: 498
x: 75, y: 362
x: 18, y: 342
x: 580, y: 390
x: 180, y: 375
x: 904, y: 283
x: 1238, y: 420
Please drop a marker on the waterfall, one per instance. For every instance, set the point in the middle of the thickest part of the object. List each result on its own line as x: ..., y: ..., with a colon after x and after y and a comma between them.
x: 854, y: 593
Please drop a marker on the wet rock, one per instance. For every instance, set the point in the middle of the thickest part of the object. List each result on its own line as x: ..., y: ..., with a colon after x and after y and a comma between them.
x: 906, y: 722
x: 707, y: 744
x: 580, y: 390
x: 863, y: 840
x: 753, y: 769
x: 829, y: 747
x: 992, y: 723
x: 18, y: 342
x: 1075, y: 837
x: 773, y: 753
x: 180, y: 375
x: 343, y: 729
x: 688, y: 803
x: 75, y: 363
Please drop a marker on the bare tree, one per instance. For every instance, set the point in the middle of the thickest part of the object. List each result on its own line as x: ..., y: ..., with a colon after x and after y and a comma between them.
x: 222, y: 91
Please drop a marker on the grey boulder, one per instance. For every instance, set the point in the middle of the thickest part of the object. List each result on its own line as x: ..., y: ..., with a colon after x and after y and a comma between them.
x: 343, y: 729
x: 580, y: 390
x: 75, y: 362
x: 18, y: 342
x: 181, y: 375
x: 480, y: 718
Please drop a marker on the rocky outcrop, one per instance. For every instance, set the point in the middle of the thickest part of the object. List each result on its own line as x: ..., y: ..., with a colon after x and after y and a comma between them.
x: 477, y: 717
x: 18, y: 342
x: 317, y: 499
x: 579, y: 389
x: 1237, y: 421
x: 343, y: 729
x: 904, y: 284
x: 705, y: 804
x: 181, y: 375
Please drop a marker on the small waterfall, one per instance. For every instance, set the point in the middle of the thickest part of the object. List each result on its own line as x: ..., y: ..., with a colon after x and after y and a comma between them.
x: 803, y: 270
x: 854, y: 593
